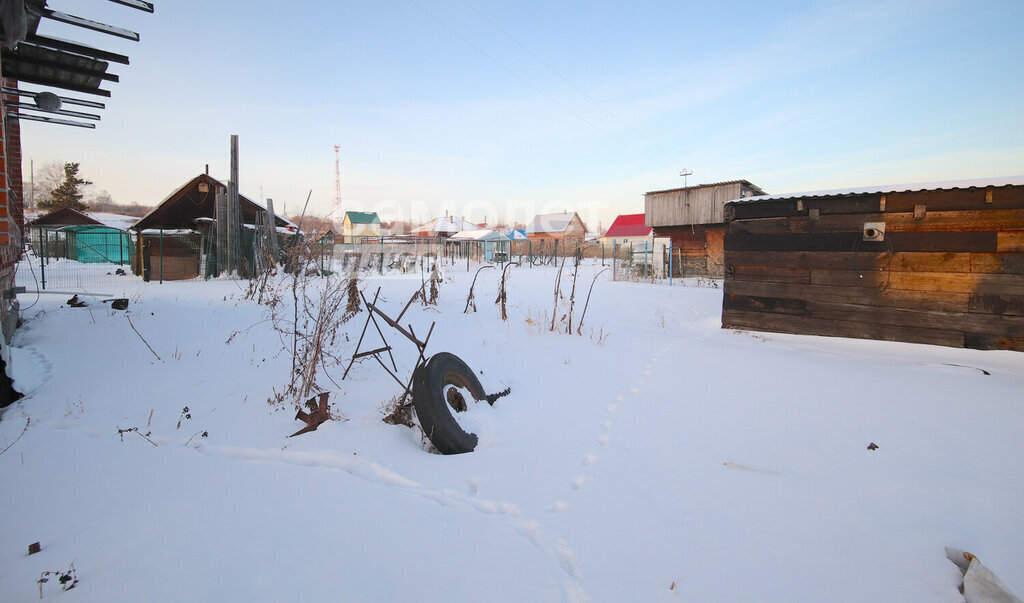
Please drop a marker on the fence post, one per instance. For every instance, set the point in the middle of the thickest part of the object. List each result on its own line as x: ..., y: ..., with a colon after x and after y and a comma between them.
x: 555, y: 257
x: 42, y: 259
x: 161, y: 256
x: 615, y: 257
x: 382, y: 255
x: 670, y: 252
x: 602, y: 254
x: 530, y: 245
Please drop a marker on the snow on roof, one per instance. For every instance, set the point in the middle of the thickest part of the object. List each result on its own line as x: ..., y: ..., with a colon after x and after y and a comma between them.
x: 115, y: 220
x: 709, y: 185
x: 448, y: 224
x: 550, y: 222
x: 478, y: 235
x: 894, y: 188
x: 628, y: 225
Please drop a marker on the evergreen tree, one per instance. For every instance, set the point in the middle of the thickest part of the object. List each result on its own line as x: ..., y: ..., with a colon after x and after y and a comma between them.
x: 69, y: 193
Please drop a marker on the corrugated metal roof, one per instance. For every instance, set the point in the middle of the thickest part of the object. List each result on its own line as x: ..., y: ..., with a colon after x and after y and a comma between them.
x: 628, y: 225
x: 710, y: 185
x: 894, y: 188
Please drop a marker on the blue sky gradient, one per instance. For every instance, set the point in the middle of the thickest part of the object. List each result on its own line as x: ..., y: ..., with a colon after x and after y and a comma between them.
x: 507, y: 109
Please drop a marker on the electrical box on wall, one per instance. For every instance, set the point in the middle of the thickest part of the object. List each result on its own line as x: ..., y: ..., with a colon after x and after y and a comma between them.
x: 874, y: 231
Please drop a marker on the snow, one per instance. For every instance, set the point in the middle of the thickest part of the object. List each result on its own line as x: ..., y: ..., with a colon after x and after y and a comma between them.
x: 894, y: 188
x: 656, y: 457
x: 118, y: 221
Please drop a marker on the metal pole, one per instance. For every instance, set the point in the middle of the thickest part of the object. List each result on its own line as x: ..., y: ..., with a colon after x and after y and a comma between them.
x: 382, y: 255
x: 161, y: 256
x: 42, y: 259
x: 670, y: 252
x: 555, y: 257
x: 602, y: 254
x: 615, y: 256
x: 530, y: 244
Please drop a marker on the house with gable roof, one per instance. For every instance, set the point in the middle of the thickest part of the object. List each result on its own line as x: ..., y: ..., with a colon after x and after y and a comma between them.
x: 359, y: 225
x: 565, y: 227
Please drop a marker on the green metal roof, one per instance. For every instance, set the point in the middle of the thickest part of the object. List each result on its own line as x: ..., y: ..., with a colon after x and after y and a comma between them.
x: 360, y: 217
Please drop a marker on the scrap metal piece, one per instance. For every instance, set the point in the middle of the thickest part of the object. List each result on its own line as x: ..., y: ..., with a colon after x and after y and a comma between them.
x: 319, y: 412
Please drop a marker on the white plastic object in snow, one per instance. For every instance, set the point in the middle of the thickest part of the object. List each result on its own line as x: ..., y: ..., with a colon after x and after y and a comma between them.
x: 980, y: 584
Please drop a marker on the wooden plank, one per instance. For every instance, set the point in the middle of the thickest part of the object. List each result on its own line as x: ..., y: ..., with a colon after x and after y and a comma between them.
x: 775, y: 305
x: 978, y: 341
x: 1007, y: 263
x: 926, y: 300
x: 980, y: 242
x: 1009, y: 284
x: 933, y: 221
x: 1011, y: 241
x: 907, y: 261
x: 1003, y: 197
x: 1001, y: 305
x: 763, y: 209
x: 804, y: 325
x: 771, y: 274
x: 1007, y: 325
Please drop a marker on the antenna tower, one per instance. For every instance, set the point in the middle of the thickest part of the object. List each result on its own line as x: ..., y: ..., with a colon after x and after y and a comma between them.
x: 337, y: 185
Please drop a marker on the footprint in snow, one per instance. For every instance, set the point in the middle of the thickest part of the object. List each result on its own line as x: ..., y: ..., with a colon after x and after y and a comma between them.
x: 604, y: 439
x: 578, y: 481
x: 611, y: 408
x: 589, y: 459
x: 559, y: 506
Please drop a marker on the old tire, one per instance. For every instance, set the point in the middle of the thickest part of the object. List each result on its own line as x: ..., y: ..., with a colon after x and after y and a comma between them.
x: 428, y: 397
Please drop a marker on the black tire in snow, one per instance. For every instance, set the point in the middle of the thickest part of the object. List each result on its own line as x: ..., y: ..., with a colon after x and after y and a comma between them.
x: 428, y: 397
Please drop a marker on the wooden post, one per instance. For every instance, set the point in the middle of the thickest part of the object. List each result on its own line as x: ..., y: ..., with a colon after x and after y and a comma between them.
x: 271, y: 230
x: 234, y: 218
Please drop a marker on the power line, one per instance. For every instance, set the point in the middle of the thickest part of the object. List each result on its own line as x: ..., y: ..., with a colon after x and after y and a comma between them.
x: 532, y: 86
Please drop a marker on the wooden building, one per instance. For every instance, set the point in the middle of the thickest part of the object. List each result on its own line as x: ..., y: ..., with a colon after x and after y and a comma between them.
x: 627, y: 229
x: 359, y: 225
x: 693, y: 218
x: 565, y: 227
x: 939, y: 263
x: 182, y: 231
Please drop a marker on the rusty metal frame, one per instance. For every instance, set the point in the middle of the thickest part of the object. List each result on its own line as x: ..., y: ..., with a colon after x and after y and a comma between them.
x: 409, y: 334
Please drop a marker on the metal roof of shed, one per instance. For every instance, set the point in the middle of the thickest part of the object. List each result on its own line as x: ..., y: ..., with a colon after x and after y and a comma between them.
x: 893, y: 188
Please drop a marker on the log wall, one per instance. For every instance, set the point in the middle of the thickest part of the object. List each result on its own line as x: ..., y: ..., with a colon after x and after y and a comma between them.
x: 950, y: 270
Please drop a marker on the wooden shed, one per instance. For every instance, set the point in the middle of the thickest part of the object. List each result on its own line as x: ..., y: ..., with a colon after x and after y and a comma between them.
x: 693, y: 218
x: 565, y: 227
x: 939, y: 263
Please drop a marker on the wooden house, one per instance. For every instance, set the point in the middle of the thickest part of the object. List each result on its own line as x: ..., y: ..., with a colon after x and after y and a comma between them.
x: 359, y: 225
x: 939, y: 263
x: 565, y: 227
x: 626, y: 230
x: 692, y: 217
x: 182, y: 231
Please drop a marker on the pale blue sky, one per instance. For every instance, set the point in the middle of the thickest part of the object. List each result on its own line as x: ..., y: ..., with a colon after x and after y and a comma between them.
x: 513, y: 108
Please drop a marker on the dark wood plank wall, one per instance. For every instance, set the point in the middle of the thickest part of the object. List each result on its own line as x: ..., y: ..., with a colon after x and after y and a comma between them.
x: 698, y: 248
x: 949, y: 272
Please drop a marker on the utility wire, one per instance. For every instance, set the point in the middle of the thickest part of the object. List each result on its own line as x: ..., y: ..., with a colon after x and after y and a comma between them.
x: 565, y: 79
x: 532, y: 86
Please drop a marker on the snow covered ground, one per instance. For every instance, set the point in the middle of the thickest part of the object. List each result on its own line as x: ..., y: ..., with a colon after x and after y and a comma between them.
x: 656, y: 457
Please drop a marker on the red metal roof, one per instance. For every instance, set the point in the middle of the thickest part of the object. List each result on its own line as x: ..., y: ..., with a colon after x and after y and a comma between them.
x: 629, y: 225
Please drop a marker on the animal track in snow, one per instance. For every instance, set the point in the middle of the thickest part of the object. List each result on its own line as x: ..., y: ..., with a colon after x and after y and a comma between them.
x: 578, y: 481
x: 635, y: 391
x: 604, y: 439
x: 558, y: 507
x: 611, y: 408
x: 607, y: 425
x: 589, y: 459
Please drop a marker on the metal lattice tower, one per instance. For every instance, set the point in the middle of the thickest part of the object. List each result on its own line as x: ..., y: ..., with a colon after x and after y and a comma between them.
x: 337, y: 185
